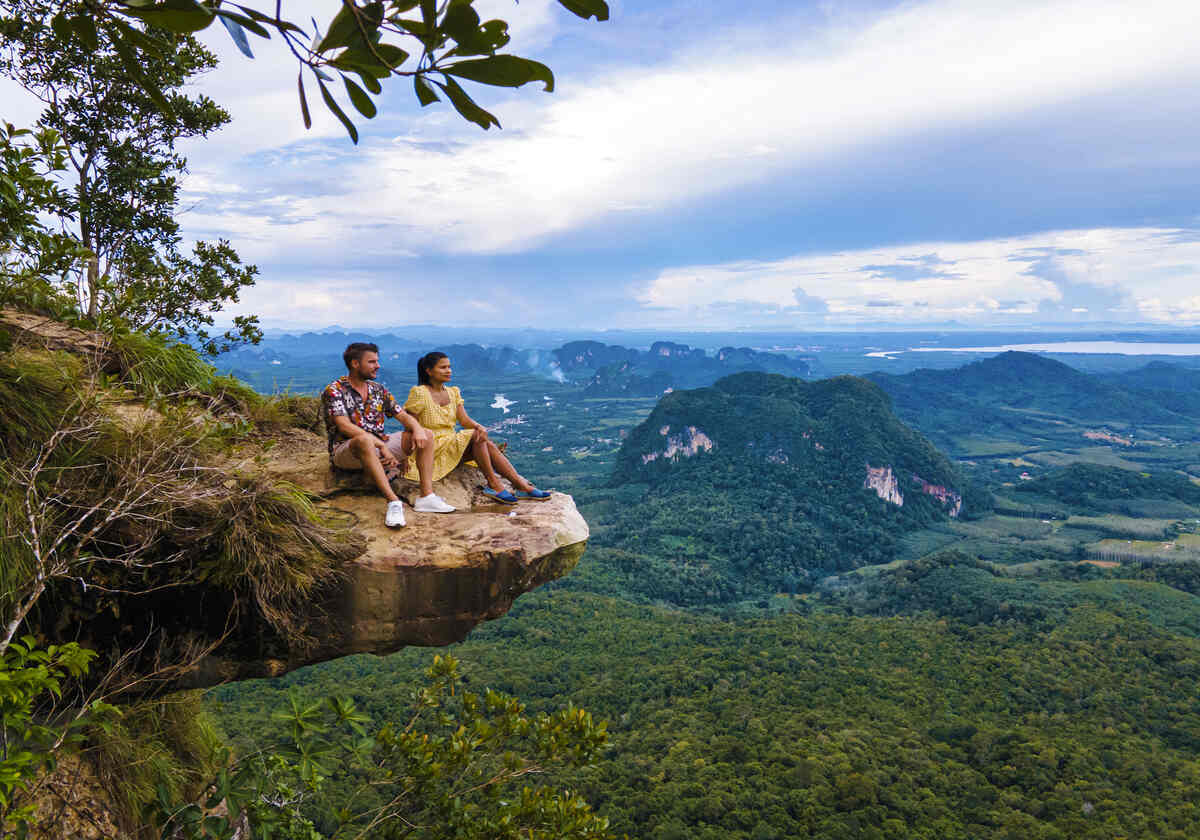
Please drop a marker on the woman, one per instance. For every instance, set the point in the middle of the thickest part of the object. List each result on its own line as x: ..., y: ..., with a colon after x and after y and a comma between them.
x: 436, y: 407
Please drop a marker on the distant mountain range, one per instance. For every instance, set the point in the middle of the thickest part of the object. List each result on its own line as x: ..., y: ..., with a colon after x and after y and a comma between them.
x: 612, y: 370
x: 605, y: 370
x: 1023, y: 392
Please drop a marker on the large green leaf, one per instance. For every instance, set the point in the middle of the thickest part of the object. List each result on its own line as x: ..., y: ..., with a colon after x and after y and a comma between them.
x: 502, y: 71
x: 483, y: 40
x: 280, y: 25
x: 412, y: 27
x: 85, y: 28
x: 303, y: 101
x: 349, y: 25
x: 370, y: 82
x: 61, y: 26
x: 425, y: 94
x: 129, y: 59
x: 246, y: 22
x: 332, y: 105
x: 465, y: 105
x: 393, y: 55
x: 460, y: 22
x: 238, y: 35
x: 586, y: 8
x: 361, y: 60
x: 429, y: 13
x: 179, y: 16
x: 137, y: 37
x: 359, y: 98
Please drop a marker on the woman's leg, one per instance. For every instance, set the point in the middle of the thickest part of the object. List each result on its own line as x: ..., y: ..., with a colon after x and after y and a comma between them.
x: 424, y: 460
x: 481, y: 454
x: 502, y: 465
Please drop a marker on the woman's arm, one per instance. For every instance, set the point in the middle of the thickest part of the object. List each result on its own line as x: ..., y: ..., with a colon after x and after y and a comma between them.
x: 465, y: 419
x: 468, y: 423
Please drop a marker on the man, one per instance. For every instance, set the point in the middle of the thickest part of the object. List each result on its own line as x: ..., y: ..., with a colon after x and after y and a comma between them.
x: 355, y: 408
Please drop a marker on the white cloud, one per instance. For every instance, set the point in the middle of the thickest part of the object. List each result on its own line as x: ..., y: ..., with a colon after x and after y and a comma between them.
x: 710, y: 121
x: 744, y: 107
x: 1137, y: 273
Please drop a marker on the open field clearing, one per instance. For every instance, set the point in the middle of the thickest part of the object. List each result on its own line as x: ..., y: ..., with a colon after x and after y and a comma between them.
x: 1102, y: 455
x: 1124, y: 526
x: 1183, y: 547
x: 988, y: 447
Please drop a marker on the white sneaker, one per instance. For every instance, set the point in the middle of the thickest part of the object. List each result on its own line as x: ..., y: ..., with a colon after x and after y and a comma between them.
x: 395, y: 514
x: 433, y: 503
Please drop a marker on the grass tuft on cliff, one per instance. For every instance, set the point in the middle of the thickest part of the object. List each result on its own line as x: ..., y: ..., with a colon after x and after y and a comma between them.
x: 277, y: 546
x: 157, y: 367
x: 36, y: 389
x: 134, y: 494
x: 171, y: 743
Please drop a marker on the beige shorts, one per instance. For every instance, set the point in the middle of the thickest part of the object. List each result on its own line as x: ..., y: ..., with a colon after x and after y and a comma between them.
x: 345, y: 458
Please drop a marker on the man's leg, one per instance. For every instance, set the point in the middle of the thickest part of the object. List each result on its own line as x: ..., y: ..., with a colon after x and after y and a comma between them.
x: 368, y: 453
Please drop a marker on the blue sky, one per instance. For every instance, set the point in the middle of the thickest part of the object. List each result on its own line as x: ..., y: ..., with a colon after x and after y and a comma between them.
x: 759, y: 165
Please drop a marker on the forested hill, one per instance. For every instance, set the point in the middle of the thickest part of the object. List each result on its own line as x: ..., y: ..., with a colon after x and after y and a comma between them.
x: 831, y: 428
x: 763, y: 483
x: 1173, y: 386
x: 1013, y: 390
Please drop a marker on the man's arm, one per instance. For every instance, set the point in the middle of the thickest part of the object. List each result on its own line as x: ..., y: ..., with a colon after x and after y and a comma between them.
x: 351, y: 431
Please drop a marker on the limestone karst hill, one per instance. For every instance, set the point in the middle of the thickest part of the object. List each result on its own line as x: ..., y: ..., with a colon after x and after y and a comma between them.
x: 841, y: 429
x: 204, y: 537
x: 764, y: 483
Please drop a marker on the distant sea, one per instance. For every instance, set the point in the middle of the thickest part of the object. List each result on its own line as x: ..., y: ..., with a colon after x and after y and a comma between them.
x: 1121, y: 348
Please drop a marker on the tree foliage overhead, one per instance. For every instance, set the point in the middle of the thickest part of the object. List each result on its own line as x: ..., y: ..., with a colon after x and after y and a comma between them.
x: 460, y: 765
x: 30, y: 248
x: 435, y: 43
x: 120, y: 152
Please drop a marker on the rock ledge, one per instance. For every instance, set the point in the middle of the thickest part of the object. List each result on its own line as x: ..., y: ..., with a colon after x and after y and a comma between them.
x: 426, y: 584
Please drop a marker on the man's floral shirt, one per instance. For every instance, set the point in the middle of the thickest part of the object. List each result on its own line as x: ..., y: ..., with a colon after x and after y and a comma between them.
x: 339, y: 399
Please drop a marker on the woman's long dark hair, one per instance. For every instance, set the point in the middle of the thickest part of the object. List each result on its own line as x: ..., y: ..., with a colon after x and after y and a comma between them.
x: 425, y: 363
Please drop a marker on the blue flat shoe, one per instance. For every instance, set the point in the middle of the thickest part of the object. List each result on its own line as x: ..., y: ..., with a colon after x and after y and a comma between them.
x: 503, y: 496
x: 534, y: 495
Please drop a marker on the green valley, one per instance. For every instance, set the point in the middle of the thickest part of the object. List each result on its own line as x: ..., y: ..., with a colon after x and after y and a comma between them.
x: 782, y: 653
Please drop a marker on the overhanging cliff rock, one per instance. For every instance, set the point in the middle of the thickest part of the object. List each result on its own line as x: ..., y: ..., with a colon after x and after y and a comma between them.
x: 426, y: 584
x: 255, y: 558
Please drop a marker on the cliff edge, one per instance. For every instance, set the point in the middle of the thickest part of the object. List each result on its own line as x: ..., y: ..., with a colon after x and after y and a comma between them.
x: 426, y: 584
x: 207, y: 538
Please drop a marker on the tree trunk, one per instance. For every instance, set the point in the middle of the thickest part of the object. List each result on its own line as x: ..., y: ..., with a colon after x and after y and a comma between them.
x: 86, y: 237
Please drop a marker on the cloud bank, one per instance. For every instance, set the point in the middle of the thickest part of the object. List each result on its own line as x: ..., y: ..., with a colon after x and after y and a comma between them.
x: 1123, y: 274
x: 649, y: 140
